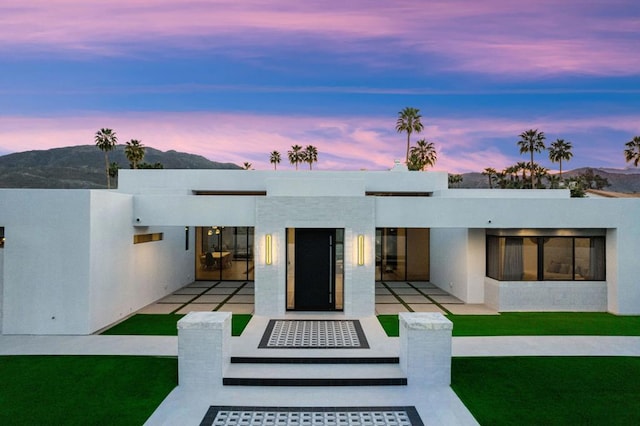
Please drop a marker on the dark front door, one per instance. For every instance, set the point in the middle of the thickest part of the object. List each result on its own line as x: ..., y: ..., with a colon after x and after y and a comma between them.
x: 314, y: 269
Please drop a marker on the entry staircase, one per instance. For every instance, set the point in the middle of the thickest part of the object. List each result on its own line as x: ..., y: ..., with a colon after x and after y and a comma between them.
x: 376, y: 364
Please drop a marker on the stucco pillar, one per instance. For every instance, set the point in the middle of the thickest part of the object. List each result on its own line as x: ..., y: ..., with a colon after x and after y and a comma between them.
x: 204, y: 340
x: 425, y: 348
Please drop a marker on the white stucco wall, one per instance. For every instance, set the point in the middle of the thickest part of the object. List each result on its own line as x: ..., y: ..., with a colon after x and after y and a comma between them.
x: 183, y: 182
x: 547, y: 296
x: 125, y: 276
x: 353, y: 214
x: 457, y: 262
x: 46, y: 279
x: 71, y: 266
x: 448, y: 260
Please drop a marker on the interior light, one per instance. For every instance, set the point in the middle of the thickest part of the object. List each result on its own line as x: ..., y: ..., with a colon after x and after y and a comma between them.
x: 268, y: 253
x: 360, y: 250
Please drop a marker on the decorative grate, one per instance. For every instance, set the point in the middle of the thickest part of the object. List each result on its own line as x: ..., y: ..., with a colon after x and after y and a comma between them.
x: 311, y: 416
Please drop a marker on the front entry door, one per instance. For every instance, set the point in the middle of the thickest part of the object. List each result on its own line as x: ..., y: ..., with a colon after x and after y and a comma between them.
x: 314, y: 269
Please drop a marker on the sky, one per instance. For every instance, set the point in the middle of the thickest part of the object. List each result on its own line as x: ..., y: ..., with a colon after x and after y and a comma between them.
x: 234, y: 80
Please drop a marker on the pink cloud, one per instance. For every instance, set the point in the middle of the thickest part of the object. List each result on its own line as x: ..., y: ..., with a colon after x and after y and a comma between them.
x: 493, y: 37
x: 348, y: 143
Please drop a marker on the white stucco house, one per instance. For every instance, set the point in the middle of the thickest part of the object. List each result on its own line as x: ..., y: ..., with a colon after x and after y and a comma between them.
x: 75, y: 261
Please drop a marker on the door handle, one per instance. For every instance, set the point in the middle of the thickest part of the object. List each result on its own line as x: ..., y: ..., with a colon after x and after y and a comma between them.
x: 330, y: 269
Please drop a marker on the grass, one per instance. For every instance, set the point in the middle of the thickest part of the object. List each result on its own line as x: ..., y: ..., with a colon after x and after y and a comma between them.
x: 82, y: 390
x: 534, y: 324
x: 549, y: 390
x: 166, y: 325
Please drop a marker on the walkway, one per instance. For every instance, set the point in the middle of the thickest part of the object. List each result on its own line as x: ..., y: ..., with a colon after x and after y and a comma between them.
x: 462, y: 346
x: 237, y: 297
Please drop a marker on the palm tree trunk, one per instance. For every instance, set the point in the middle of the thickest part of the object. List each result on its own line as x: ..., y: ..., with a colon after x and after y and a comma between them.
x: 531, y: 168
x: 561, y: 168
x: 106, y: 168
x: 407, y: 155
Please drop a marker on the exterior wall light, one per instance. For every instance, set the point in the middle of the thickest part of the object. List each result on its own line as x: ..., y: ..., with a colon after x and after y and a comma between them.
x: 360, y: 250
x: 268, y: 250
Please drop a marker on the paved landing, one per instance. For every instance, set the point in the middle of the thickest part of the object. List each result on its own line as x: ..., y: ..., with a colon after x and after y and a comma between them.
x: 238, y: 297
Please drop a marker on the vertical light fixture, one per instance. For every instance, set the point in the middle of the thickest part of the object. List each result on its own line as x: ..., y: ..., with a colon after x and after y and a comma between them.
x: 360, y: 250
x: 268, y: 254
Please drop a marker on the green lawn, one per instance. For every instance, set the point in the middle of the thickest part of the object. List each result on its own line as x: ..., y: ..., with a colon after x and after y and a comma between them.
x: 83, y: 390
x: 549, y: 390
x: 166, y: 325
x: 534, y: 324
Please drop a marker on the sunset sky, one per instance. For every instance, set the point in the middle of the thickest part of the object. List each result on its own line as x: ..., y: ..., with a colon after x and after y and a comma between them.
x: 233, y: 80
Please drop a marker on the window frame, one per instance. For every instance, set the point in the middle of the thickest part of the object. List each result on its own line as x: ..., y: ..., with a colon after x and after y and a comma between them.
x: 494, y: 268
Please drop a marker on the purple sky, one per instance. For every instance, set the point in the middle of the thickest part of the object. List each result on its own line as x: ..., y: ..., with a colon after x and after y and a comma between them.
x: 235, y: 80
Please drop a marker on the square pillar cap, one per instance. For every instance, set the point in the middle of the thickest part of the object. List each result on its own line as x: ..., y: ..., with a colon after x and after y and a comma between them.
x: 204, y: 320
x: 424, y: 321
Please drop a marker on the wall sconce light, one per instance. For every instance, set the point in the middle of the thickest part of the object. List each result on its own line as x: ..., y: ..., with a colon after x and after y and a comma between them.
x: 360, y: 250
x: 268, y: 253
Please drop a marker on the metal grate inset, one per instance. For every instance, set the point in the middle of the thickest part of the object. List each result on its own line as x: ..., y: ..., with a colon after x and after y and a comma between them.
x: 315, y: 334
x: 311, y: 416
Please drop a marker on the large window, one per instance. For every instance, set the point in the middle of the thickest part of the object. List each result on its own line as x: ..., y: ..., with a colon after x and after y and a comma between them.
x: 554, y: 255
x: 224, y: 253
x: 402, y: 254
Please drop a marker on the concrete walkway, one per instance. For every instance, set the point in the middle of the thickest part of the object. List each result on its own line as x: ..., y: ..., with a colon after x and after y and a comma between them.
x: 462, y: 346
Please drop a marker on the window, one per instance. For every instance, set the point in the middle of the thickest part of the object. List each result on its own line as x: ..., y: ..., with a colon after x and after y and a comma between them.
x: 2, y: 237
x: 545, y: 258
x: 147, y: 238
x: 402, y: 254
x: 224, y: 253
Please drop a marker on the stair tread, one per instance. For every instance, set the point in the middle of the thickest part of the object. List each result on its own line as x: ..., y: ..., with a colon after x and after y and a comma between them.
x: 314, y: 371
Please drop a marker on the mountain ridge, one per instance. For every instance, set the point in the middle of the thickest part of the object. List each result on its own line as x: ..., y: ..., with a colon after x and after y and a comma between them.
x: 82, y: 166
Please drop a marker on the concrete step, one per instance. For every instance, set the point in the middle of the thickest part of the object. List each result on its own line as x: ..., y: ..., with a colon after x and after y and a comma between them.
x: 379, y: 374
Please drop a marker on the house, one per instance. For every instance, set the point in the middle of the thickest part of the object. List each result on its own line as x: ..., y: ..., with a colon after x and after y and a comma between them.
x: 75, y: 261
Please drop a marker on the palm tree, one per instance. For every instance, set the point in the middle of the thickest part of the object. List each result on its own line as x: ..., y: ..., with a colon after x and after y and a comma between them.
x: 531, y: 141
x: 295, y: 155
x: 455, y: 180
x: 409, y: 121
x: 134, y: 151
x: 491, y: 174
x: 522, y: 166
x: 540, y: 172
x: 106, y: 140
x: 274, y: 159
x: 113, y: 170
x: 512, y: 171
x: 554, y: 181
x: 425, y: 152
x: 415, y: 163
x: 310, y: 155
x: 501, y: 178
x: 560, y: 150
x: 632, y: 153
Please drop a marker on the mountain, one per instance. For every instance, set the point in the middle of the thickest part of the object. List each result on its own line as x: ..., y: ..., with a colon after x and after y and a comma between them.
x: 83, y: 166
x: 621, y: 180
